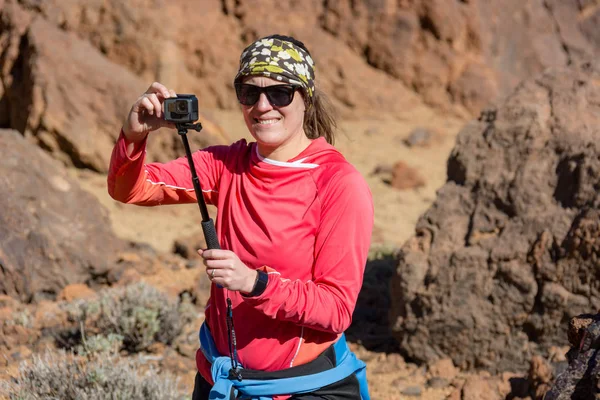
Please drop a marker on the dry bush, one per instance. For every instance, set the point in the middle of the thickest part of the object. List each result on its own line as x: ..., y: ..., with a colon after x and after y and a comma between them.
x: 139, y: 313
x: 98, y: 376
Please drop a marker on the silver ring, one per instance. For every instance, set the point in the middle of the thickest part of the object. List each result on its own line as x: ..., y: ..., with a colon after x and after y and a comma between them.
x: 212, y: 274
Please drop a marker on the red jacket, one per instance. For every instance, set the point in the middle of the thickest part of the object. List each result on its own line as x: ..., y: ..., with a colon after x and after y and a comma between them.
x: 307, y: 222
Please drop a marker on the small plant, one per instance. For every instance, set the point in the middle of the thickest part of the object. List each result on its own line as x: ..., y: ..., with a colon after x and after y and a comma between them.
x: 101, y: 376
x: 140, y: 314
x: 100, y: 344
x: 21, y: 318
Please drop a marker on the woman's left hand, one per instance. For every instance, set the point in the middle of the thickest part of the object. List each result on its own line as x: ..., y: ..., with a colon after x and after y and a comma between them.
x: 224, y: 268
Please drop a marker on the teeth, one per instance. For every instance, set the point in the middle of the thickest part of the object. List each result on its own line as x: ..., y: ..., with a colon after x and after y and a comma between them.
x: 266, y: 121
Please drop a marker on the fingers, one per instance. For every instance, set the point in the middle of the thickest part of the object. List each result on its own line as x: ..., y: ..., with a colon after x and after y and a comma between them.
x: 147, y: 114
x: 159, y: 88
x: 151, y: 101
x: 145, y: 104
x: 156, y: 103
x: 216, y: 254
x: 153, y: 98
x: 211, y: 274
x: 219, y: 264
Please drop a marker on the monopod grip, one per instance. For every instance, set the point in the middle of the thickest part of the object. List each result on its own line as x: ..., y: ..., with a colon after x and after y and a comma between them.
x: 210, y: 234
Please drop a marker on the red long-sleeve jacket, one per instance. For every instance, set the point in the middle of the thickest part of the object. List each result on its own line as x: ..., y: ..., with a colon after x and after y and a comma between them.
x: 307, y: 222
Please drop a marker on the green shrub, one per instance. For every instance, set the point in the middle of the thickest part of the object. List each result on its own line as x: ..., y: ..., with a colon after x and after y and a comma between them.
x: 20, y: 318
x: 139, y: 313
x: 102, y: 376
x: 100, y: 344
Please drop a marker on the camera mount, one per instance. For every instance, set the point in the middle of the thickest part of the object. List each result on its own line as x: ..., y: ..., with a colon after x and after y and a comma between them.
x: 208, y: 226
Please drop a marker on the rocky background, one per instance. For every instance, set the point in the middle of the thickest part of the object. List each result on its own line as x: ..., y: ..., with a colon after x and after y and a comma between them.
x: 486, y: 241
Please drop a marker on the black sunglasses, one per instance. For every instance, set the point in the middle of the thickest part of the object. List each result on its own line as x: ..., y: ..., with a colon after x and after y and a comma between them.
x: 278, y: 95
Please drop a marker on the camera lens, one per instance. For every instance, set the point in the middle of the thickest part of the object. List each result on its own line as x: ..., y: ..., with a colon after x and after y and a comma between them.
x: 181, y: 106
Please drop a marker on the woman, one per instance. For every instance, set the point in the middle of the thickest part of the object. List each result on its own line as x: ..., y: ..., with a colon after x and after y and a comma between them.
x: 294, y: 223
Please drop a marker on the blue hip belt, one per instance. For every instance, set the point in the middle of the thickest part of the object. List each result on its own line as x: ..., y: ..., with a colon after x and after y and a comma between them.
x: 264, y: 389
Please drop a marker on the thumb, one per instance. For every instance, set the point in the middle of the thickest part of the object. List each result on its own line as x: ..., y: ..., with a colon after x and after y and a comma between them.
x: 200, y: 252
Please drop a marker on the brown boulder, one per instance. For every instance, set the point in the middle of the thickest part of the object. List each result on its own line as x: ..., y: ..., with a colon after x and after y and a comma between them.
x: 75, y: 291
x: 480, y: 388
x: 508, y: 250
x: 52, y: 232
x: 465, y: 52
x: 67, y: 95
x: 196, y: 57
x: 540, y: 376
x: 406, y: 177
x: 370, y: 57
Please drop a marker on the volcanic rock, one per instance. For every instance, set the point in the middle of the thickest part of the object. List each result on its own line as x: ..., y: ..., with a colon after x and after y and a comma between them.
x: 466, y: 52
x: 62, y: 91
x: 52, y: 233
x: 581, y: 380
x: 509, y: 250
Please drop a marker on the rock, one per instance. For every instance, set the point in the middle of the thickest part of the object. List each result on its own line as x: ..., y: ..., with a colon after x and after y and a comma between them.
x: 453, y: 53
x: 187, y: 247
x: 206, y: 63
x: 465, y: 52
x: 454, y: 395
x: 53, y: 233
x: 75, y: 291
x: 514, y: 386
x: 479, y: 388
x: 581, y: 380
x: 406, y: 177
x: 509, y: 247
x: 540, y: 376
x: 419, y: 137
x: 7, y: 302
x: 412, y: 391
x: 475, y: 86
x: 50, y: 315
x: 437, y: 383
x: 578, y: 328
x: 74, y: 109
x: 444, y: 369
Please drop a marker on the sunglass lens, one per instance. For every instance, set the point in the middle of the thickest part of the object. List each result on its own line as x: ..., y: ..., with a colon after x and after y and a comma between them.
x: 247, y: 94
x: 280, y: 96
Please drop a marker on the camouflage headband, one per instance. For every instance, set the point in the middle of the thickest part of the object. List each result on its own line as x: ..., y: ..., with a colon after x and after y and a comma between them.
x: 280, y: 60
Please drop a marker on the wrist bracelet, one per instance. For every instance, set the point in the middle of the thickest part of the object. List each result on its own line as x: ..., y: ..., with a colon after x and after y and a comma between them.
x: 262, y: 279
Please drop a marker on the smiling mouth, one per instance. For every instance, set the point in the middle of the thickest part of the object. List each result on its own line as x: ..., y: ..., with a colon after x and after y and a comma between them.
x: 266, y: 121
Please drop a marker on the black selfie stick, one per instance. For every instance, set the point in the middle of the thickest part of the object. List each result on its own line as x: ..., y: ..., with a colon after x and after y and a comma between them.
x: 208, y: 226
x: 210, y: 235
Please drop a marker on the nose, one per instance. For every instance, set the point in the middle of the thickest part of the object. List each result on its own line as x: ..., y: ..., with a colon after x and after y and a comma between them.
x: 263, y: 103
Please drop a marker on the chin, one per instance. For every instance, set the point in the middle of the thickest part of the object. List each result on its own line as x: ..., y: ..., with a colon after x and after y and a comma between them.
x: 267, y: 135
x: 270, y: 140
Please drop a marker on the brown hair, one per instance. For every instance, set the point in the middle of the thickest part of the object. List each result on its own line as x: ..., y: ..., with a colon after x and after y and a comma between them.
x: 319, y: 117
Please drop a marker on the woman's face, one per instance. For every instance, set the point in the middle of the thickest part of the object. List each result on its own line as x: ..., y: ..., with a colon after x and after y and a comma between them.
x: 274, y: 127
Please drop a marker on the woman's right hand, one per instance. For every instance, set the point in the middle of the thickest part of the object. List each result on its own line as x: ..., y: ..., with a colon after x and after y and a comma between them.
x: 146, y: 114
